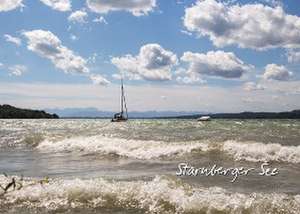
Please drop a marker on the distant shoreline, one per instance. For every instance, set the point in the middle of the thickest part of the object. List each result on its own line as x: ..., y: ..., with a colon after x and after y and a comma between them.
x: 11, y: 112
x: 295, y: 114
x: 243, y: 115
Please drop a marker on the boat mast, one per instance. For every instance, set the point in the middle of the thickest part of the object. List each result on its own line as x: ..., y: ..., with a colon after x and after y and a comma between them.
x: 122, y: 96
x: 123, y: 100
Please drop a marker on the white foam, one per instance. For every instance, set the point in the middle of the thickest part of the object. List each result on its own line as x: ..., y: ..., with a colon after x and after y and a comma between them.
x: 128, y: 148
x: 248, y: 151
x: 256, y: 152
x: 160, y: 195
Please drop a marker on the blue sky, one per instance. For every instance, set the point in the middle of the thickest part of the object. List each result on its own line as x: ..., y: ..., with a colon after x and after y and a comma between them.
x: 201, y: 51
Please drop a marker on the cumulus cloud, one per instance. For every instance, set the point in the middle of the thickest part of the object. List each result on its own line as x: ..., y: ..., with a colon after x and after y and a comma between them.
x: 79, y: 16
x: 293, y: 56
x: 98, y: 79
x: 152, y: 63
x: 7, y: 5
x: 251, y: 86
x: 60, y: 5
x: 218, y: 64
x: 248, y: 26
x: 137, y: 8
x: 277, y: 72
x: 12, y: 39
x: 17, y: 70
x: 47, y: 45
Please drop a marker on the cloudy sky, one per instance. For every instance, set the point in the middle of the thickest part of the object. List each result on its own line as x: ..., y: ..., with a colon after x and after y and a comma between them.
x: 179, y: 55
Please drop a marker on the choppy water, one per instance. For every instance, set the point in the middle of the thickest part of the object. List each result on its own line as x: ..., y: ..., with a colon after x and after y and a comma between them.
x: 95, y: 166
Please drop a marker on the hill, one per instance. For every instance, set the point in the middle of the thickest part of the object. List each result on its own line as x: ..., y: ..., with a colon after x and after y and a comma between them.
x: 11, y: 112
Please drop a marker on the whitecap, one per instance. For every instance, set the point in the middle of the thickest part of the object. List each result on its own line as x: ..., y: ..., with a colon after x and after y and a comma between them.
x: 146, y: 150
x: 160, y: 195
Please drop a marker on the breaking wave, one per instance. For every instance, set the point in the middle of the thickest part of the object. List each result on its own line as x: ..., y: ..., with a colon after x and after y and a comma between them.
x: 160, y: 195
x: 256, y: 152
x: 146, y: 150
x: 121, y: 147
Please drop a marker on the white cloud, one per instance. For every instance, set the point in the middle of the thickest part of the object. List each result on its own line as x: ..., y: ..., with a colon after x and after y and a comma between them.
x: 12, y: 39
x: 79, y: 16
x: 17, y: 70
x: 60, y: 5
x: 152, y: 63
x: 146, y: 97
x: 98, y: 79
x: 251, y: 86
x: 7, y: 5
x: 186, y: 32
x: 248, y: 26
x: 190, y: 78
x: 282, y: 87
x: 116, y: 76
x: 137, y: 8
x: 218, y: 64
x: 293, y: 56
x: 179, y: 71
x: 1, y: 64
x: 100, y: 19
x: 277, y: 72
x: 47, y: 45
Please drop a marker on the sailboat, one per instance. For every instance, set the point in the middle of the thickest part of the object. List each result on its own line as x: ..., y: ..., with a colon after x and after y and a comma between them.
x: 122, y: 115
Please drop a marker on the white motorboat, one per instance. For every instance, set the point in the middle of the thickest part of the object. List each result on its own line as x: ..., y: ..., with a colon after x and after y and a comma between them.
x: 204, y: 118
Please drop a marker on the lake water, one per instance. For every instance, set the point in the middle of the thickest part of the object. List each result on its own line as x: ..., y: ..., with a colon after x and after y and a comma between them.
x: 95, y: 166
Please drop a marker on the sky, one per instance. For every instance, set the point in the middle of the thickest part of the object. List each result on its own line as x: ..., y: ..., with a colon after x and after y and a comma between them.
x: 174, y: 55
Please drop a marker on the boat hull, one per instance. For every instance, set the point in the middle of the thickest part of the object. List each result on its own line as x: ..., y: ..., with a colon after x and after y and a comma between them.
x: 119, y: 120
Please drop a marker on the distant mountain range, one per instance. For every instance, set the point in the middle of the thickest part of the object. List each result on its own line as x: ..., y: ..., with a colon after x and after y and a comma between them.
x: 93, y: 112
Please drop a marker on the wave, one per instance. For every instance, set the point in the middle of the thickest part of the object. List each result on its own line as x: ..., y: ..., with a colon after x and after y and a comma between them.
x: 121, y: 147
x: 260, y: 152
x: 146, y: 150
x: 160, y: 195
